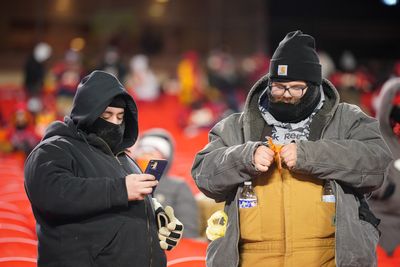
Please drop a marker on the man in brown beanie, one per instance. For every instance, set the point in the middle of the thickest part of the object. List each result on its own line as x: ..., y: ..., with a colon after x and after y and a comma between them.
x: 91, y: 201
x: 310, y: 160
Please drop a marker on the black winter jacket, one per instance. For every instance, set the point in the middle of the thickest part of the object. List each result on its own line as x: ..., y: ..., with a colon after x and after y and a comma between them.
x: 76, y: 186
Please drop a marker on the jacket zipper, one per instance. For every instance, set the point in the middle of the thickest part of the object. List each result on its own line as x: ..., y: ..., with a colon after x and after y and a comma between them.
x: 237, y: 227
x: 147, y: 218
x: 111, y: 153
x: 148, y: 232
x: 145, y: 205
x: 336, y: 218
x: 116, y: 157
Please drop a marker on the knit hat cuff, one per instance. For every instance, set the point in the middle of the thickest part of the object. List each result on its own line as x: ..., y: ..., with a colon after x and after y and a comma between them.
x: 156, y: 143
x: 306, y: 71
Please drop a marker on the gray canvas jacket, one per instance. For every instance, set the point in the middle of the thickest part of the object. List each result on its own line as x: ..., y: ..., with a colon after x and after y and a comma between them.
x: 344, y: 145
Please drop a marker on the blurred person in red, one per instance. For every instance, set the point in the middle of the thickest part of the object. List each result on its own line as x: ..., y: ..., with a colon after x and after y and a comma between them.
x: 22, y: 135
x: 370, y: 100
x: 253, y: 67
x: 171, y: 190
x: 352, y: 80
x: 385, y: 202
x: 190, y: 79
x: 222, y: 75
x: 197, y: 111
x: 68, y: 72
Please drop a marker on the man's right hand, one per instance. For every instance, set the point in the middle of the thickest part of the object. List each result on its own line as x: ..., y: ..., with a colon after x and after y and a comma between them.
x: 263, y: 158
x: 139, y: 185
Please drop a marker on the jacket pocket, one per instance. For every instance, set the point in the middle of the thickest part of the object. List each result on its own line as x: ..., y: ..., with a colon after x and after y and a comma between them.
x: 326, y: 219
x: 109, y: 243
x: 250, y: 224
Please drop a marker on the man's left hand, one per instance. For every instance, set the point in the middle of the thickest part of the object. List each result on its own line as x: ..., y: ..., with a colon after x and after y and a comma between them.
x: 289, y: 155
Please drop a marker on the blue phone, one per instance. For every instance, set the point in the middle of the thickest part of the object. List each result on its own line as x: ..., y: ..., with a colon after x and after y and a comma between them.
x: 156, y: 167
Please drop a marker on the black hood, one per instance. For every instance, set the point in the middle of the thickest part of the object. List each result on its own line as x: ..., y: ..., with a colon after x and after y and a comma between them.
x: 93, y: 95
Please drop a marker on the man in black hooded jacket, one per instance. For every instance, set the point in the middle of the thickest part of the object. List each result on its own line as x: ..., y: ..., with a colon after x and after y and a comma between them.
x: 89, y: 199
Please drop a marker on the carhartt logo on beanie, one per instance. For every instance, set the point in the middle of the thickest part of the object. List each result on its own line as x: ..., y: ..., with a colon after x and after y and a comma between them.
x: 296, y: 59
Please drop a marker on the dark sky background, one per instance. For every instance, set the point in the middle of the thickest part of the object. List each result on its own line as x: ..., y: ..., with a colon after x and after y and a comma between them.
x: 366, y: 27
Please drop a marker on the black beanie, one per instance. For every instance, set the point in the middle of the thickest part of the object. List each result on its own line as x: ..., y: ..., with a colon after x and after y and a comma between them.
x: 295, y: 59
x: 118, y: 102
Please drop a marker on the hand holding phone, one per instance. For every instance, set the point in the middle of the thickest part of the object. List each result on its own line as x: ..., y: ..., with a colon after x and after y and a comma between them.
x: 138, y: 186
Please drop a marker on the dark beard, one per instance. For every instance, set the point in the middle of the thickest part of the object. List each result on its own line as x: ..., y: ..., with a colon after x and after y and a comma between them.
x: 111, y: 133
x: 282, y: 99
x: 294, y: 111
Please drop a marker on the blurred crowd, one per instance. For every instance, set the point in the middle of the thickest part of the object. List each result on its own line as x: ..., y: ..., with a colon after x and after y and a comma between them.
x: 208, y: 88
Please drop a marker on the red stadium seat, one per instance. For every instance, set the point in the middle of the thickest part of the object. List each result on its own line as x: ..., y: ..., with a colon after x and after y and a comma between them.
x: 19, y: 199
x: 7, y: 175
x: 8, y: 188
x: 13, y: 196
x: 10, y: 207
x: 188, y: 248
x: 188, y: 262
x: 5, y: 181
x: 18, y: 247
x: 10, y: 96
x: 188, y: 253
x: 13, y: 230
x: 18, y: 262
x: 15, y: 218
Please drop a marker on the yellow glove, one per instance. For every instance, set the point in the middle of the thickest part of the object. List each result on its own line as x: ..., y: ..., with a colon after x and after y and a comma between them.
x: 170, y: 229
x: 216, y: 225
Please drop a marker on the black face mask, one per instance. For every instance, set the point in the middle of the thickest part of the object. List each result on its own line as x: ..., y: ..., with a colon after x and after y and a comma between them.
x: 111, y: 133
x: 293, y: 113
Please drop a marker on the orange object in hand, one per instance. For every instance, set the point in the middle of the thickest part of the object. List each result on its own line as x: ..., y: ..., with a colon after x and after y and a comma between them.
x: 277, y: 150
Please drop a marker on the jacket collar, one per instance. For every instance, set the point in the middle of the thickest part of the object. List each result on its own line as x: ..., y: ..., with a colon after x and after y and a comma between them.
x: 252, y: 115
x: 90, y: 139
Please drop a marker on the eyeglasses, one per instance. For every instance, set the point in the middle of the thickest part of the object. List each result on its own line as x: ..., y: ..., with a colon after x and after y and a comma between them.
x: 280, y: 89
